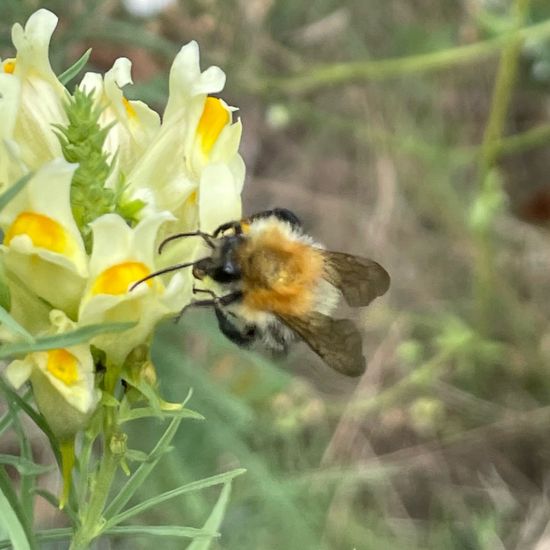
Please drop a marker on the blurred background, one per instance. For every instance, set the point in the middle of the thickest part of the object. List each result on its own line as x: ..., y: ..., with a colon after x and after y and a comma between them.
x: 370, y: 120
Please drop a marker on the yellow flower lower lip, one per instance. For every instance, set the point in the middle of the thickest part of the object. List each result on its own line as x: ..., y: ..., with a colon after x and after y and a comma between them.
x: 118, y: 278
x: 213, y: 120
x: 9, y: 66
x: 63, y: 365
x: 43, y: 232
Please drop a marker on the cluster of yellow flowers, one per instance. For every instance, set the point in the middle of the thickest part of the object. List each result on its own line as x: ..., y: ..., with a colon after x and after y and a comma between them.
x: 178, y: 173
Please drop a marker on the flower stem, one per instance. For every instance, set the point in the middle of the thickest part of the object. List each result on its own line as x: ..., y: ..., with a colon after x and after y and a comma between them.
x: 92, y: 520
x: 92, y: 513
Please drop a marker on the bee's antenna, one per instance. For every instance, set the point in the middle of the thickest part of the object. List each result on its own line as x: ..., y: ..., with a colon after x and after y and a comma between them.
x: 162, y: 272
x: 208, y: 239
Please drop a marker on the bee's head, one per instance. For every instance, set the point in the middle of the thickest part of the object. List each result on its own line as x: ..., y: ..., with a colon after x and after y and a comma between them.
x: 223, y: 266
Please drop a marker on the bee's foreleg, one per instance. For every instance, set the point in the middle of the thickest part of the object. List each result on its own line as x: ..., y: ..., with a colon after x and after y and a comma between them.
x: 226, y: 300
x: 217, y: 302
x: 204, y: 291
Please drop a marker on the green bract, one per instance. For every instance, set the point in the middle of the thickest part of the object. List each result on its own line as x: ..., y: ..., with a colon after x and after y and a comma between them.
x: 82, y: 142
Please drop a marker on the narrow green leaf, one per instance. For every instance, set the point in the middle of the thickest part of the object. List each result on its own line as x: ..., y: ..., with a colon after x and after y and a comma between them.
x: 61, y: 533
x: 27, y: 483
x: 5, y: 422
x: 138, y: 477
x: 15, y: 400
x: 5, y: 295
x: 12, y: 191
x: 12, y: 519
x: 27, y: 480
x: 149, y: 393
x: 7, y: 419
x: 160, y: 531
x: 24, y: 466
x: 75, y: 68
x: 7, y: 320
x: 64, y: 340
x: 187, y: 397
x: 187, y: 488
x: 147, y: 412
x: 214, y: 520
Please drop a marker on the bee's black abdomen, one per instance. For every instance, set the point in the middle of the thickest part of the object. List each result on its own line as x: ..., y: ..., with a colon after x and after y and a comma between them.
x: 282, y: 214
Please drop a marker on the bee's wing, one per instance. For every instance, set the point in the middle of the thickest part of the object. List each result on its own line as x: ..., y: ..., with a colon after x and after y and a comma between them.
x: 359, y: 279
x: 336, y: 341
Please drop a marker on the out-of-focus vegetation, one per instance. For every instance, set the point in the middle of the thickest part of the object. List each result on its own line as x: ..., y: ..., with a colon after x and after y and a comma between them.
x: 414, y: 132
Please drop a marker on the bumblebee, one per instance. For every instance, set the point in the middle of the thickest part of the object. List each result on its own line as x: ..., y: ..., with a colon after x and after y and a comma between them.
x: 280, y: 285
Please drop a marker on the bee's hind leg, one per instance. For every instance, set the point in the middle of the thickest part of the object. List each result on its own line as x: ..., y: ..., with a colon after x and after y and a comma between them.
x: 240, y: 333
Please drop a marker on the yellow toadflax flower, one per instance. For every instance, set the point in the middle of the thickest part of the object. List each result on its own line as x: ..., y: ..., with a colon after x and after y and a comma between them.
x: 62, y: 381
x: 41, y: 95
x: 192, y: 168
x: 135, y: 123
x: 121, y: 256
x: 11, y: 167
x: 63, y: 384
x: 42, y: 245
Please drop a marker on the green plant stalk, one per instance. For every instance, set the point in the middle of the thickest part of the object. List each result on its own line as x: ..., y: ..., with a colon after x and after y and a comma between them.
x: 92, y: 514
x: 92, y: 518
x: 484, y: 270
x: 83, y: 466
x: 458, y: 156
x: 341, y: 73
x: 502, y: 94
x: 525, y: 141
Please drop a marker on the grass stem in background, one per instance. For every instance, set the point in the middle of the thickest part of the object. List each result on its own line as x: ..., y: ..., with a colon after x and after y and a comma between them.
x: 490, y: 193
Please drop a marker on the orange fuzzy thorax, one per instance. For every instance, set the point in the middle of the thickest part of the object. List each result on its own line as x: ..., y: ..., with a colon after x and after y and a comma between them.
x: 280, y: 275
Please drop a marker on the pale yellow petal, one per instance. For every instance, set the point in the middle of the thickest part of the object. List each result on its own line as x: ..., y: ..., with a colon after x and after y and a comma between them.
x: 219, y: 197
x: 187, y: 80
x: 18, y: 372
x: 32, y: 44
